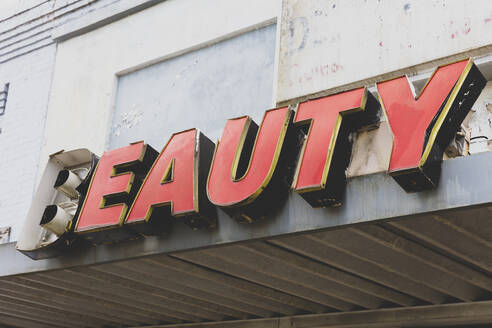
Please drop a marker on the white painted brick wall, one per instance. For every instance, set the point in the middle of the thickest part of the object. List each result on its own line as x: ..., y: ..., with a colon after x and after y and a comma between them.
x: 27, y: 57
x: 22, y: 132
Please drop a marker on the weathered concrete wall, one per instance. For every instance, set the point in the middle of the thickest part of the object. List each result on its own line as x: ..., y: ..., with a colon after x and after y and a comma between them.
x: 88, y: 66
x: 326, y: 44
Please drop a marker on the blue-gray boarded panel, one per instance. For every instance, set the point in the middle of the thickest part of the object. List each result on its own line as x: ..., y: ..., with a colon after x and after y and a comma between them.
x: 200, y: 89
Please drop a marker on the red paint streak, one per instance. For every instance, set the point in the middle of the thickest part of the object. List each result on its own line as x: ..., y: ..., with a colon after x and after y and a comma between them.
x: 487, y: 20
x: 453, y: 36
x: 324, y: 69
x: 380, y: 43
x: 335, y: 68
x: 467, y: 30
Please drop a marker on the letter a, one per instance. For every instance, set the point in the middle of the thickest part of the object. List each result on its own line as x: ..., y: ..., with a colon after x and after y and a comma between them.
x: 175, y: 186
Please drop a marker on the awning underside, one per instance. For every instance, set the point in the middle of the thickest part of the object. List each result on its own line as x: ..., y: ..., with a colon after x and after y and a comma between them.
x: 419, y: 271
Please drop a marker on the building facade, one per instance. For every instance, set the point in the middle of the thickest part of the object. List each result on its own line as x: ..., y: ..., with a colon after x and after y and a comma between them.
x: 100, y: 75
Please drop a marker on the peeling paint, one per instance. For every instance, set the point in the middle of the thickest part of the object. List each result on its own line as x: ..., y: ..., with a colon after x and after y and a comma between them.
x: 128, y: 120
x: 4, y: 235
x: 480, y: 121
x: 183, y: 71
x: 371, y: 151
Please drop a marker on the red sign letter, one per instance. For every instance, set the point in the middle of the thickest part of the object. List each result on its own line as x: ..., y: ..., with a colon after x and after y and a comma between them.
x: 320, y: 175
x: 423, y: 125
x: 175, y: 186
x: 243, y: 167
x: 110, y: 192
